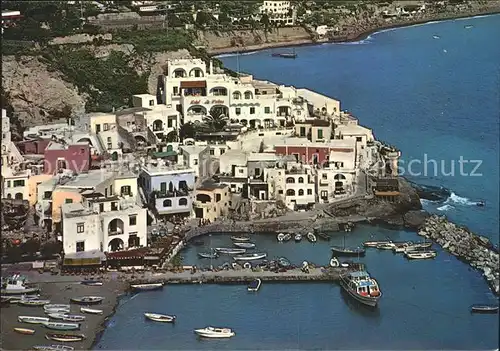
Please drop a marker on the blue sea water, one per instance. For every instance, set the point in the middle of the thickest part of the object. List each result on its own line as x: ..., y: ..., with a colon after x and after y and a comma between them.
x: 434, y: 97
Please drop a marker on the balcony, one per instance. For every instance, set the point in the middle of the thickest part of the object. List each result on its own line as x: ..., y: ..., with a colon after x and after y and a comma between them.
x: 115, y: 227
x: 169, y: 194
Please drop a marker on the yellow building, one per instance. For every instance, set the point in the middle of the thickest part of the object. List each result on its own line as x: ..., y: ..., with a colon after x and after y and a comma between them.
x: 60, y: 196
x: 212, y: 201
x: 33, y: 183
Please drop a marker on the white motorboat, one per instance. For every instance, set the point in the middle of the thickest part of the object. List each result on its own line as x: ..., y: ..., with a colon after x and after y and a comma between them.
x: 334, y: 262
x: 375, y: 243
x: 32, y: 319
x: 33, y: 302
x: 280, y: 237
x: 251, y: 257
x: 61, y: 326
x: 230, y: 251
x: 298, y: 237
x: 53, y: 348
x: 87, y: 300
x: 311, y: 237
x: 90, y: 310
x: 160, y: 317
x: 16, y: 285
x: 240, y: 238
x: 147, y: 286
x: 254, y: 285
x: 56, y: 307
x: 212, y: 332
x: 247, y: 245
x: 420, y: 255
x: 386, y: 246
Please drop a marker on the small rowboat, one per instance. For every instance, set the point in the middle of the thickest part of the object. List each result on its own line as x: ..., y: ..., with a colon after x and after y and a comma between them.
x: 311, y: 237
x: 32, y: 319
x: 87, y: 300
x: 61, y: 326
x: 230, y: 251
x: 254, y: 285
x: 33, y: 302
x: 484, y: 308
x: 240, y: 238
x: 247, y: 245
x: 57, y: 315
x: 250, y: 257
x: 147, y: 286
x: 323, y: 236
x: 53, y: 348
x: 57, y: 311
x: 208, y: 255
x: 298, y: 237
x: 280, y: 237
x: 287, y: 237
x: 56, y: 307
x: 64, y: 337
x: 90, y: 311
x: 92, y: 282
x: 423, y: 255
x: 24, y: 331
x: 160, y: 317
x: 73, y: 318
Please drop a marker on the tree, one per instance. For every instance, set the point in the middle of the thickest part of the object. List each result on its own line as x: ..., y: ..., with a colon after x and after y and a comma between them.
x: 216, y: 120
x: 172, y: 136
x: 187, y: 130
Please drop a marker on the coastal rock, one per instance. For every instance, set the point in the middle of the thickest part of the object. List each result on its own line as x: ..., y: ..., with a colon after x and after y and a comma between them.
x: 414, y: 219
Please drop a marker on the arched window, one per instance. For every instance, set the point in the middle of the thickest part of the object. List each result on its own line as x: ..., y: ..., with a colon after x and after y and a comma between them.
x: 237, y: 95
x: 248, y: 95
x: 301, y: 192
x: 167, y: 203
x: 290, y: 180
x: 290, y: 192
x: 183, y: 201
x: 301, y: 180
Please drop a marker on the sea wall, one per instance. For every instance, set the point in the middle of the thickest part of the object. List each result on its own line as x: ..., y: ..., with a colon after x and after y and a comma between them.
x: 477, y: 250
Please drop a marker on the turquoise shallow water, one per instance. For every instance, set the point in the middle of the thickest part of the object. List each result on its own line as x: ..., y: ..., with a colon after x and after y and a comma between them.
x: 428, y: 96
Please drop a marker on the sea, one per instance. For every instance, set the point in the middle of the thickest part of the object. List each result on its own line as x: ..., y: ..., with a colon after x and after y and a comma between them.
x: 432, y: 90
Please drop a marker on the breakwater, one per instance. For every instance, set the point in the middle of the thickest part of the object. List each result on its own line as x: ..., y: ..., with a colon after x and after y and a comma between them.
x: 477, y: 250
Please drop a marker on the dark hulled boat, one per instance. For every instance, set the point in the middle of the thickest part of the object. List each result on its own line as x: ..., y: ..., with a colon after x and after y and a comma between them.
x: 345, y: 251
x: 360, y: 286
x: 289, y: 55
x: 484, y: 308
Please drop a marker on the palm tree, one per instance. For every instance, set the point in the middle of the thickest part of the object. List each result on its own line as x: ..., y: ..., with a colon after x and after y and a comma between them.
x: 216, y: 120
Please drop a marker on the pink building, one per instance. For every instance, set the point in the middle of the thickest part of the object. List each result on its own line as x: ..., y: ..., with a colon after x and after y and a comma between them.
x: 75, y: 157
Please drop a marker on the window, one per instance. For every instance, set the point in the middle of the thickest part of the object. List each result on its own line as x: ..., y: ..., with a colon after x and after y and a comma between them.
x: 195, y: 161
x: 218, y: 197
x: 240, y: 171
x: 101, y: 208
x: 301, y: 180
x: 163, y: 187
x: 80, y: 246
x: 309, y: 192
x: 324, y: 176
x: 252, y: 110
x: 320, y: 133
x: 301, y: 192
x: 290, y: 180
x: 183, y: 201
x: 176, y: 90
x: 8, y: 184
x: 238, y: 111
x: 151, y: 102
x: 82, y: 151
x: 80, y: 227
x: 114, y: 206
x: 68, y: 201
x: 212, y: 152
x: 267, y: 109
x: 105, y: 126
x: 302, y: 131
x: 222, y: 151
x: 125, y: 190
x: 19, y: 182
x: 167, y: 203
x: 132, y: 220
x: 280, y: 192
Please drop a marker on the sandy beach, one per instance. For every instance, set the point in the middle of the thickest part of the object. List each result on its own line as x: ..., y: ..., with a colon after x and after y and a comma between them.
x: 59, y: 290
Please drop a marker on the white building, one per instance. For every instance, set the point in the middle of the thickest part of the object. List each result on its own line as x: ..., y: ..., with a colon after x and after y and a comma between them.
x: 294, y: 185
x: 198, y: 158
x: 194, y: 88
x: 279, y: 12
x: 15, y: 183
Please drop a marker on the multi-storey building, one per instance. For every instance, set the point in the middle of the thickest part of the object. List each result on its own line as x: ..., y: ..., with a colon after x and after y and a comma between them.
x: 279, y: 12
x: 212, y: 200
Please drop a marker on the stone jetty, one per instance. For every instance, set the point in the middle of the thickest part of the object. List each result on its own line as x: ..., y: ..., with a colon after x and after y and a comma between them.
x: 477, y: 250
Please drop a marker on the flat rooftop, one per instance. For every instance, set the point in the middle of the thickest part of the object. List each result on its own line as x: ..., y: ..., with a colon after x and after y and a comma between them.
x: 75, y: 210
x: 162, y: 169
x: 334, y: 143
x: 210, y: 185
x: 88, y: 180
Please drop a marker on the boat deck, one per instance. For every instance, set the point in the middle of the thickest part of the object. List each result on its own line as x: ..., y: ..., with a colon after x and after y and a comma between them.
x: 246, y: 276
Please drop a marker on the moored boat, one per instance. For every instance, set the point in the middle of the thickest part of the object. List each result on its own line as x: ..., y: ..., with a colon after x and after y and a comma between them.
x: 73, y: 318
x: 280, y: 237
x: 420, y: 255
x: 240, y: 238
x: 208, y: 255
x: 250, y: 257
x: 246, y: 245
x: 61, y: 326
x: 91, y: 282
x: 147, y: 286
x: 24, y: 331
x: 468, y: 26
x: 87, y: 300
x: 52, y: 307
x: 160, y: 317
x: 375, y: 243
x: 345, y: 251
x: 90, y: 310
x: 289, y: 55
x: 361, y: 287
x: 57, y: 315
x: 484, y: 308
x: 230, y: 251
x: 287, y: 237
x: 311, y: 237
x: 298, y: 237
x: 17, y: 285
x: 324, y: 236
x: 33, y: 302
x: 53, y: 348
x: 65, y: 337
x: 283, y: 262
x: 386, y: 246
x: 57, y: 311
x: 212, y: 332
x: 32, y: 319
x: 254, y: 285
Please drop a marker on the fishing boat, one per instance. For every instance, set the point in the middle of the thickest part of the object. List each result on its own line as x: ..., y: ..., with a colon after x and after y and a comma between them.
x: 17, y: 285
x: 361, y: 287
x: 344, y: 251
x: 386, y: 246
x: 73, y: 318
x: 66, y: 337
x: 24, y: 331
x: 212, y: 332
x: 147, y: 286
x: 324, y: 236
x: 61, y: 326
x: 420, y: 255
x: 254, y: 285
x: 280, y: 237
x: 160, y: 317
x: 230, y: 251
x: 412, y: 247
x: 17, y: 298
x: 468, y: 26
x: 375, y: 243
x: 240, y: 238
x: 311, y: 237
x: 247, y: 245
x: 57, y: 315
x: 53, y: 348
x: 287, y: 237
x: 436, y: 36
x: 250, y: 257
x: 57, y: 311
x: 90, y: 310
x: 283, y: 262
x: 208, y: 255
x: 297, y: 237
x: 33, y: 302
x: 87, y: 300
x: 91, y: 282
x: 484, y: 308
x: 288, y: 55
x: 32, y: 319
x: 56, y: 307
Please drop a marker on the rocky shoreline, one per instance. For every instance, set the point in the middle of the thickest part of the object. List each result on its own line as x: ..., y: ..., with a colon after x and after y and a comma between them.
x: 474, y: 249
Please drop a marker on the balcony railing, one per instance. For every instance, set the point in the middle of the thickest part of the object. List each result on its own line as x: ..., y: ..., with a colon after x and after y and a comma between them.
x: 170, y: 194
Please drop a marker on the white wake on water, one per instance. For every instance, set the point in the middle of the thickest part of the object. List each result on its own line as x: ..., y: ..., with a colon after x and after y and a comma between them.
x: 445, y: 208
x: 454, y: 198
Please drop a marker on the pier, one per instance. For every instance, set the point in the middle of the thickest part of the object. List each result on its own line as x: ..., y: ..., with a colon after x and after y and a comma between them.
x: 319, y: 274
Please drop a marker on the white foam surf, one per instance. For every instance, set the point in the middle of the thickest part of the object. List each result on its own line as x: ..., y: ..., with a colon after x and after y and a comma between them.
x: 455, y: 199
x: 445, y: 208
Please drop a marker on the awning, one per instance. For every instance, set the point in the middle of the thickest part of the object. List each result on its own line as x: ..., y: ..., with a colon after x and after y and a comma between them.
x: 82, y: 262
x: 194, y: 84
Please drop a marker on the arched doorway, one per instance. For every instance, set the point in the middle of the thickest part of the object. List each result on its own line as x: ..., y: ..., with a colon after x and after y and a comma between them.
x: 19, y: 196
x: 116, y: 244
x: 158, y: 125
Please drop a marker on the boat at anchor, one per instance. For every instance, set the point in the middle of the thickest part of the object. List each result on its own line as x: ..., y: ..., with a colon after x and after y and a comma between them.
x: 240, y: 238
x: 484, y: 308
x: 246, y: 245
x: 215, y: 333
x: 250, y: 257
x: 147, y: 286
x: 230, y: 251
x: 24, y: 331
x: 311, y: 237
x: 53, y: 348
x: 361, y: 287
x: 156, y: 317
x: 65, y: 337
x: 87, y: 300
x: 61, y: 326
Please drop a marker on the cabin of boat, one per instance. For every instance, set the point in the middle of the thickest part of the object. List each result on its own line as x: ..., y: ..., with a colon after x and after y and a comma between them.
x: 212, y: 332
x: 362, y: 287
x: 16, y: 285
